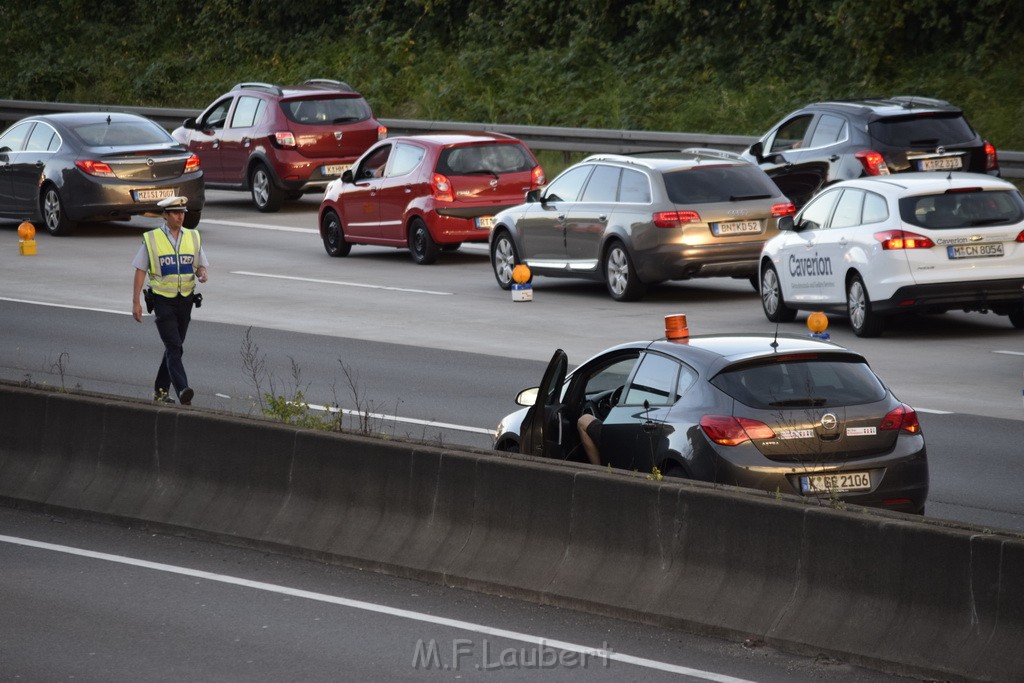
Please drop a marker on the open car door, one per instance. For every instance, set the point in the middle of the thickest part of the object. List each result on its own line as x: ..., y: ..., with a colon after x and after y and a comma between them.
x: 541, y: 432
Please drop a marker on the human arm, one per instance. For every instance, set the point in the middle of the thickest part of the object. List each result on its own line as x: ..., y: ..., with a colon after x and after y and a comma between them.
x: 140, y: 279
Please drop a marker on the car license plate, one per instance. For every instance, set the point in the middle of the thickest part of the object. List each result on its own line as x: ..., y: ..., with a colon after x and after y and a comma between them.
x: 836, y: 483
x: 150, y: 195
x: 485, y: 222
x: 942, y: 164
x: 335, y: 169
x: 737, y: 228
x: 974, y: 250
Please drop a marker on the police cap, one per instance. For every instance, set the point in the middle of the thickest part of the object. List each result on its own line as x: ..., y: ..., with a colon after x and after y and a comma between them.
x: 173, y: 204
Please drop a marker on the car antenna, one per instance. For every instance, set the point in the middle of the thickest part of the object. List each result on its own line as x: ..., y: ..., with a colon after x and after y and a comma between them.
x: 775, y: 340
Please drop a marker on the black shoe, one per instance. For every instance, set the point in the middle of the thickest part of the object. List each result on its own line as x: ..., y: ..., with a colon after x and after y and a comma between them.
x: 186, y: 396
x: 161, y: 396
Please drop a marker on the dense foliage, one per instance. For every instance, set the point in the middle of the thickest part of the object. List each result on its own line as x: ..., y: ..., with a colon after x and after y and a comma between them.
x: 716, y: 66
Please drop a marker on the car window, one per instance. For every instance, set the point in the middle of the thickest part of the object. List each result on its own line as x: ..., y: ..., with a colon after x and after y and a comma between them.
x: 121, y: 133
x: 484, y: 159
x: 331, y: 110
x: 655, y: 381
x: 609, y: 377
x: 817, y: 211
x: 406, y: 158
x: 963, y: 209
x: 634, y: 187
x: 790, y: 134
x: 217, y: 116
x: 915, y: 130
x: 14, y: 138
x: 43, y: 139
x: 603, y: 185
x: 829, y: 130
x: 848, y: 209
x: 718, y: 183
x: 876, y: 209
x: 373, y: 165
x: 247, y: 112
x: 805, y: 383
x: 566, y: 187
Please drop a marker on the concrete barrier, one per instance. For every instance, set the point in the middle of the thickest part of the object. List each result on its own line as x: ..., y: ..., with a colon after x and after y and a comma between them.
x: 875, y: 588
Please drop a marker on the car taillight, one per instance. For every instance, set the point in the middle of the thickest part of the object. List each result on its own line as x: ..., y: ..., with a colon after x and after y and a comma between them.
x: 903, y: 417
x: 780, y: 210
x: 991, y: 158
x: 284, y: 139
x: 382, y: 132
x: 1020, y: 237
x: 96, y: 168
x: 441, y: 188
x: 732, y: 431
x: 873, y: 162
x: 675, y: 219
x: 901, y: 239
x: 537, y: 178
x: 192, y: 164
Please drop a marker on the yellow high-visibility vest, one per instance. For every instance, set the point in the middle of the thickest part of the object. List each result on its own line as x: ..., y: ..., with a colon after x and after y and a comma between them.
x: 172, y: 272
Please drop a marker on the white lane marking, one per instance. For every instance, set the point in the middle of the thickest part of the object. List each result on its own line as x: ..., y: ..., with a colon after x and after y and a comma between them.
x: 1011, y: 353
x: 410, y: 420
x: 75, y: 308
x: 340, y: 282
x: 934, y: 412
x: 380, y: 609
x: 281, y: 228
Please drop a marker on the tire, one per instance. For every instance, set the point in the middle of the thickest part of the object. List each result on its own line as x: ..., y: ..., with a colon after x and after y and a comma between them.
x: 1017, y: 318
x: 334, y: 235
x: 421, y: 244
x: 192, y: 219
x: 54, y: 216
x: 504, y: 259
x: 864, y: 322
x: 265, y: 195
x: 620, y: 275
x: 772, y: 301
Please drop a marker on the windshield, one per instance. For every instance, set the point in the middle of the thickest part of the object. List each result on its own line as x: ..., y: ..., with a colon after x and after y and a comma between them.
x: 963, y: 209
x: 922, y: 130
x: 485, y: 158
x: 802, y: 384
x: 121, y: 133
x: 718, y: 183
x: 326, y: 110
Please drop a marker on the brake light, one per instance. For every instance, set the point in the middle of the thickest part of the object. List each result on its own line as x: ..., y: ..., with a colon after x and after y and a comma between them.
x: 284, y: 139
x: 902, y: 417
x: 732, y: 431
x: 382, y: 132
x: 96, y: 168
x: 675, y: 219
x: 873, y: 162
x: 192, y: 164
x: 901, y: 239
x: 1020, y: 237
x: 537, y: 178
x: 441, y: 188
x: 991, y: 158
x: 780, y: 210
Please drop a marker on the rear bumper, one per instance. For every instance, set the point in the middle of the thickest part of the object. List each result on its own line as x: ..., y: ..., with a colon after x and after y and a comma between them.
x: 86, y: 199
x: 680, y: 262
x: 983, y: 295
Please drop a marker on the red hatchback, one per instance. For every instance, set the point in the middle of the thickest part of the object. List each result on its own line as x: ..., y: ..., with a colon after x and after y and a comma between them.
x: 278, y: 142
x: 427, y: 192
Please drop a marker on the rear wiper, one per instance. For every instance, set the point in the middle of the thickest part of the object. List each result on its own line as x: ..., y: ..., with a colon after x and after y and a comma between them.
x: 742, y: 197
x: 990, y: 221
x: 481, y: 171
x: 799, y: 403
x: 925, y: 141
x: 345, y: 119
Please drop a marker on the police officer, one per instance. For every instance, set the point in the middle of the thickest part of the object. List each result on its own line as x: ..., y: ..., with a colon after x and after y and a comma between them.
x: 172, y: 256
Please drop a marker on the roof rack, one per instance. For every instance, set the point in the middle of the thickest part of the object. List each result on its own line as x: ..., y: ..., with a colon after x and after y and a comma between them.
x: 717, y: 153
x: 909, y: 101
x: 269, y: 87
x: 329, y: 84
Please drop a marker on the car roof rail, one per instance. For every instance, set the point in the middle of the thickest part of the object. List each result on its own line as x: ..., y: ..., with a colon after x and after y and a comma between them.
x: 622, y: 158
x: 714, y: 153
x: 269, y: 87
x: 910, y: 101
x: 329, y: 84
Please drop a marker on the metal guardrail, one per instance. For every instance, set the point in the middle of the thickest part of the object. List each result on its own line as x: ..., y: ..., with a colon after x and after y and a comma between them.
x: 586, y: 140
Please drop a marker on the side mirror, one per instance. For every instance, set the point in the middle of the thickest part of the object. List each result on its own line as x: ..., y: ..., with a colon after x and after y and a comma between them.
x: 347, y: 176
x: 757, y: 151
x: 786, y: 223
x: 190, y: 122
x: 528, y: 397
x: 533, y: 196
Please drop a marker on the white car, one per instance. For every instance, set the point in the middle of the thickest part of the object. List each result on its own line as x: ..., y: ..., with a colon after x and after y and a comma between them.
x: 880, y: 246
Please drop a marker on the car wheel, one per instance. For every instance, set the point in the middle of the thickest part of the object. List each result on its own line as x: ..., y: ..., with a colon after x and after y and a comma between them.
x: 54, y: 215
x: 334, y: 236
x: 421, y: 244
x: 265, y: 195
x: 504, y: 259
x: 864, y: 322
x: 620, y: 275
x: 508, y: 446
x: 673, y: 469
x: 192, y: 219
x: 1017, y: 318
x: 774, y: 305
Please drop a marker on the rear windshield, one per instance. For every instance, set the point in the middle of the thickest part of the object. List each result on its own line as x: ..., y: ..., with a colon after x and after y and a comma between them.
x: 327, y: 110
x: 487, y: 158
x: 922, y: 130
x: 707, y: 184
x: 802, y: 384
x: 121, y: 133
x: 963, y: 209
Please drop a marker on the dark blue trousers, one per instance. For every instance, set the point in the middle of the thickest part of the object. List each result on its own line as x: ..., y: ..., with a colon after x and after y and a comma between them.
x: 172, y: 319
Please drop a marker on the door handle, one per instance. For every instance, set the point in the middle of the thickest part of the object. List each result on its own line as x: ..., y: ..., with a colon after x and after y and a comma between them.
x: 246, y: 142
x: 834, y: 157
x: 408, y: 189
x: 561, y: 216
x: 603, y: 218
x: 216, y: 144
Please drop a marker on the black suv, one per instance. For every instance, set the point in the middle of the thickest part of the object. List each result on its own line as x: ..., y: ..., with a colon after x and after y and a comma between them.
x: 826, y: 142
x: 280, y: 141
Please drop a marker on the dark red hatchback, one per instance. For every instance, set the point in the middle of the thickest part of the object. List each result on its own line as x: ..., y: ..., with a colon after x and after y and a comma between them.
x: 279, y: 142
x: 427, y: 193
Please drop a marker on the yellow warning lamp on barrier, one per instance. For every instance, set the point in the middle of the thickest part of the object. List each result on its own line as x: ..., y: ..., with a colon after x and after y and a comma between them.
x: 676, y: 329
x: 27, y: 233
x: 817, y: 323
x: 522, y: 290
